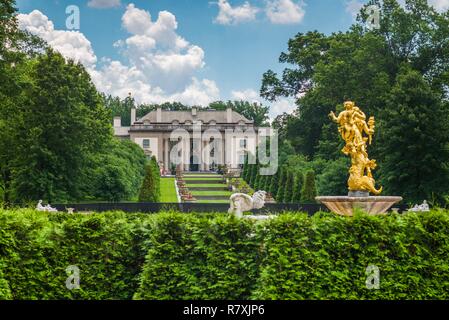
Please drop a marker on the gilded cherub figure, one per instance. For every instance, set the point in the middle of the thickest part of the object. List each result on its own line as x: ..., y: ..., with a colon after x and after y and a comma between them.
x: 352, y: 126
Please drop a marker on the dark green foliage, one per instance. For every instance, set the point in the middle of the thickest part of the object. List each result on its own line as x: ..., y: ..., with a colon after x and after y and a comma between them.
x: 415, y: 123
x: 333, y: 180
x: 274, y: 186
x: 327, y: 257
x: 150, y: 192
x: 117, y: 174
x: 245, y: 170
x: 198, y: 258
x: 308, y: 192
x: 254, y: 170
x: 157, y: 176
x: 281, y: 185
x: 267, y: 183
x: 288, y: 187
x: 65, y: 123
x: 297, y: 187
x: 194, y: 256
x: 36, y: 249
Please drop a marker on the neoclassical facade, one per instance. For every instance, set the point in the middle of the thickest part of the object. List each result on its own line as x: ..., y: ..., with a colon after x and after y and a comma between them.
x: 198, y: 140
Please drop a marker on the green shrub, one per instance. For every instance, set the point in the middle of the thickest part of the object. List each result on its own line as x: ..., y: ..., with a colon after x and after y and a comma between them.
x: 192, y: 257
x: 308, y: 192
x: 281, y: 185
x: 216, y: 256
x: 325, y: 257
x: 288, y: 191
x: 297, y: 187
x: 36, y: 251
x: 149, y: 191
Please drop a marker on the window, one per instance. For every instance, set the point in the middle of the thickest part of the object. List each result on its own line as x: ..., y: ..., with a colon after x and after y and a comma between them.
x: 241, y: 160
x: 243, y: 143
x: 146, y: 143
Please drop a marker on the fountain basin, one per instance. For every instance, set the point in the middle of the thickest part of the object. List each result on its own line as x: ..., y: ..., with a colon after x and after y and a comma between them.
x: 345, y: 205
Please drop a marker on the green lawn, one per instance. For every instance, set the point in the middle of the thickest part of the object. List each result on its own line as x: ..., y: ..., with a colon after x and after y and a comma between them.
x: 201, y: 179
x: 211, y: 185
x: 168, y: 190
x: 211, y: 193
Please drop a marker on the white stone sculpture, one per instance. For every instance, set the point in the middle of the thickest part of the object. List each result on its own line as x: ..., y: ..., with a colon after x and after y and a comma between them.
x: 424, y: 207
x: 241, y: 202
x: 46, y: 208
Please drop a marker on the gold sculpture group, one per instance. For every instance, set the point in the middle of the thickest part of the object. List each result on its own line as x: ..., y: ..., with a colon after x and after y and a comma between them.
x: 352, y: 126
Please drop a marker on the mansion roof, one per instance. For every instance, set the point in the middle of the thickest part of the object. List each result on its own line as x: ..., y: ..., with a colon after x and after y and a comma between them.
x: 183, y: 117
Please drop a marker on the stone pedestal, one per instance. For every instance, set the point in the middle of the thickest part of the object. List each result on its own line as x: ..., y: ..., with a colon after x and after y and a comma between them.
x: 345, y: 205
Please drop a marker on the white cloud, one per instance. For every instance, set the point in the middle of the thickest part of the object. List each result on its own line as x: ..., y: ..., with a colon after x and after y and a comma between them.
x: 233, y: 15
x: 282, y: 105
x: 440, y: 5
x: 276, y: 108
x: 353, y: 7
x: 103, y: 3
x: 72, y: 44
x: 285, y: 11
x: 246, y: 95
x: 158, y: 65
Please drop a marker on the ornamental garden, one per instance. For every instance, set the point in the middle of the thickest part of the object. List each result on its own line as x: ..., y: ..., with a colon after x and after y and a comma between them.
x: 73, y: 147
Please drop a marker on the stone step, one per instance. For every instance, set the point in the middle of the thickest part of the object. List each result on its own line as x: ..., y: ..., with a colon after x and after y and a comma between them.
x: 208, y: 188
x: 211, y: 181
x: 212, y: 197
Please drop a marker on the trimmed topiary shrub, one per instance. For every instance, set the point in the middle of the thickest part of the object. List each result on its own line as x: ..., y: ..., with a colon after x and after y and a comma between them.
x: 216, y: 256
x: 37, y: 248
x: 192, y: 257
x: 326, y: 257
x: 297, y: 187
x: 150, y: 191
x: 308, y: 192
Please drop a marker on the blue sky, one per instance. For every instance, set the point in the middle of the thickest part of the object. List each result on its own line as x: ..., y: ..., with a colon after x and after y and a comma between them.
x: 216, y: 50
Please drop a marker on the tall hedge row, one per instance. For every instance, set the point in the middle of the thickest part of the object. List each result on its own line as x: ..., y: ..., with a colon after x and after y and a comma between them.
x: 36, y: 249
x: 194, y: 256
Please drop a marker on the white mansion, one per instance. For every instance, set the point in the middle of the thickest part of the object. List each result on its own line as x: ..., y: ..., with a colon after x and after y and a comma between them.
x: 197, y: 140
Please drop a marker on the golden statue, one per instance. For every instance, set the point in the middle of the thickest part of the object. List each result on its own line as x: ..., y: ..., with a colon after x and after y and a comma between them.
x: 352, y: 125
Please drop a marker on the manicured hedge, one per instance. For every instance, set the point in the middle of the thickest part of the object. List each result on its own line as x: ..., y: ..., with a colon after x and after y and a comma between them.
x: 195, y: 256
x: 325, y: 257
x: 36, y: 249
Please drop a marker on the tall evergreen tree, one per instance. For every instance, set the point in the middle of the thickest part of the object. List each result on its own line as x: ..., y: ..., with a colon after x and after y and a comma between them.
x: 308, y: 192
x: 274, y: 185
x: 281, y: 185
x: 414, y: 140
x: 289, y: 187
x: 149, y: 192
x: 297, y: 187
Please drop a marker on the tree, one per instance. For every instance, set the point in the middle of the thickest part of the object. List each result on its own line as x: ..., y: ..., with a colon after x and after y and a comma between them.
x: 281, y: 185
x: 251, y: 110
x: 274, y: 186
x: 157, y: 175
x: 333, y: 180
x: 116, y: 174
x: 297, y: 187
x: 149, y: 192
x: 308, y: 192
x: 16, y: 47
x: 414, y: 140
x: 360, y: 65
x: 289, y: 187
x: 63, y: 123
